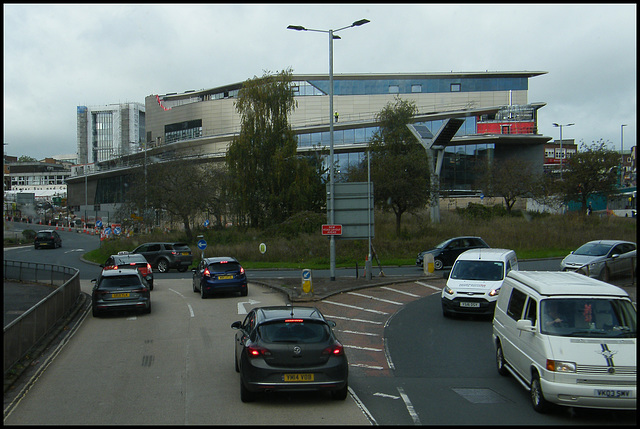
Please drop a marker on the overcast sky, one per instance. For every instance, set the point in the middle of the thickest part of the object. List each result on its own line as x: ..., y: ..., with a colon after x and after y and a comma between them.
x: 57, y: 57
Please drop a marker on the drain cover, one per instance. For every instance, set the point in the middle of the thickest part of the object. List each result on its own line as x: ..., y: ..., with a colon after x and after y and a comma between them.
x: 481, y: 396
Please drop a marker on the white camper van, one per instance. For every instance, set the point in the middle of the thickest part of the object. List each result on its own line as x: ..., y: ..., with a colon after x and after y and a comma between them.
x: 568, y: 339
x: 475, y: 281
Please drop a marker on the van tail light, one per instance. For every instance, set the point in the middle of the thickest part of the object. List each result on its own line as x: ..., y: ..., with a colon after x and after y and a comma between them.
x: 335, y: 350
x: 254, y: 351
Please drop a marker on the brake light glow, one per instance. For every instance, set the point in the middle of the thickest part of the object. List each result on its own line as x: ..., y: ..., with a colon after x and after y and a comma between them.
x: 241, y: 270
x: 293, y: 321
x: 335, y: 350
x: 257, y: 351
x: 206, y: 272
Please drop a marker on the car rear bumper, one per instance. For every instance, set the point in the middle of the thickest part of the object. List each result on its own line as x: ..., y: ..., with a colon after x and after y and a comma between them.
x: 224, y: 286
x: 333, y: 376
x: 142, y: 304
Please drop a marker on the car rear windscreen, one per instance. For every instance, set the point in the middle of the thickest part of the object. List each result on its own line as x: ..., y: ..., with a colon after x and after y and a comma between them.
x: 119, y: 282
x: 227, y: 267
x: 295, y: 332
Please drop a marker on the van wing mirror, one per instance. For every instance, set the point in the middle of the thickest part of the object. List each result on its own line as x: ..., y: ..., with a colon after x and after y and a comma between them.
x: 525, y: 325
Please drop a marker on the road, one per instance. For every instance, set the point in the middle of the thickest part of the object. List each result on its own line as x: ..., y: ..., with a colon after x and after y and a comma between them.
x: 408, y: 364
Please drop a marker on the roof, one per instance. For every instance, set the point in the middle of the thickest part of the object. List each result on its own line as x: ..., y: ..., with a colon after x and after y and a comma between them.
x: 485, y: 253
x: 556, y: 283
x: 120, y: 272
x: 286, y: 312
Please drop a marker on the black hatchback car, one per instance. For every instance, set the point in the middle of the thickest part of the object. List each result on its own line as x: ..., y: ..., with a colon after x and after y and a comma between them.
x: 287, y: 348
x: 163, y: 256
x: 47, y: 238
x: 220, y: 274
x: 120, y: 289
x: 446, y: 253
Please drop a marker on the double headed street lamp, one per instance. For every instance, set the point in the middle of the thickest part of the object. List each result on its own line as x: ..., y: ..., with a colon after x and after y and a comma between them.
x: 561, y: 154
x: 332, y: 243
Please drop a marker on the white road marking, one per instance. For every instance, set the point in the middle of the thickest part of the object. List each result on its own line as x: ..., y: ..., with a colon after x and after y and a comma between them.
x: 410, y: 409
x: 362, y: 348
x: 242, y: 309
x: 400, y: 291
x: 361, y: 365
x: 373, y: 297
x: 188, y: 305
x: 384, y: 395
x: 357, y: 308
x: 426, y: 285
x: 359, y: 333
x: 352, y: 320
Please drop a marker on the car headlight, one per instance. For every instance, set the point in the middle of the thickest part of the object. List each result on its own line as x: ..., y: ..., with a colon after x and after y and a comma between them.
x: 560, y: 366
x: 494, y: 292
x: 448, y: 290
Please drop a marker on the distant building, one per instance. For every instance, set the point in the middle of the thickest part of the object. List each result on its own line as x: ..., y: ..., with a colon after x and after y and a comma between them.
x: 110, y: 131
x: 556, y: 154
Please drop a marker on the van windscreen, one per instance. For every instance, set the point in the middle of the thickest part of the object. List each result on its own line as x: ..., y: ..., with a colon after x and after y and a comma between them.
x: 478, y: 270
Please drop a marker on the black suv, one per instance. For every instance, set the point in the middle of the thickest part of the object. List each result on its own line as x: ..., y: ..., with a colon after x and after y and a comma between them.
x: 164, y: 256
x: 47, y: 237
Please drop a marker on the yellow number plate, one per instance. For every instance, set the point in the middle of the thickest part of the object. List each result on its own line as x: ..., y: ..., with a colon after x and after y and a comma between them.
x: 120, y: 295
x: 185, y: 253
x: 225, y: 277
x: 298, y: 377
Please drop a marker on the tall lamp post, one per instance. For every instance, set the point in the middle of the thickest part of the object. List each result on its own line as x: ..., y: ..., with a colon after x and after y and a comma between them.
x: 332, y: 242
x: 622, y: 153
x: 561, y: 154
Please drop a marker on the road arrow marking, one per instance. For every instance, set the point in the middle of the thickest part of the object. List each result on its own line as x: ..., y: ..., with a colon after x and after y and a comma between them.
x: 242, y: 310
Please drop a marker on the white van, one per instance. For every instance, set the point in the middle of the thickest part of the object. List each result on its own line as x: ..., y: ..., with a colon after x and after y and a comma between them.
x: 475, y: 281
x: 568, y: 339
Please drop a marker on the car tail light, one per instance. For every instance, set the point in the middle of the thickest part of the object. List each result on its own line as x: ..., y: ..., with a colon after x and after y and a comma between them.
x: 141, y: 290
x: 206, y: 272
x: 334, y: 350
x: 149, y: 270
x: 257, y: 351
x: 241, y: 271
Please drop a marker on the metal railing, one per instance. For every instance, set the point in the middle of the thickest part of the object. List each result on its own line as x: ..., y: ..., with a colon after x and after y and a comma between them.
x: 33, y: 325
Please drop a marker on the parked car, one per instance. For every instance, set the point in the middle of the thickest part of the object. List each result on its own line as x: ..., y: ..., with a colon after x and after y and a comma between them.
x: 130, y: 260
x: 602, y: 259
x: 568, y: 339
x: 289, y: 348
x: 120, y: 289
x: 475, y: 281
x: 48, y: 238
x: 445, y: 253
x: 221, y: 274
x: 163, y: 256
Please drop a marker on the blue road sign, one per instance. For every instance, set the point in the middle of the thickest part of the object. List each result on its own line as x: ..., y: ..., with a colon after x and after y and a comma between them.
x: 202, y: 244
x: 117, y: 230
x: 206, y: 223
x: 99, y: 224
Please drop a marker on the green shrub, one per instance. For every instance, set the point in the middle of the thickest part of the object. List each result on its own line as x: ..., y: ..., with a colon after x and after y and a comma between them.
x: 29, y: 234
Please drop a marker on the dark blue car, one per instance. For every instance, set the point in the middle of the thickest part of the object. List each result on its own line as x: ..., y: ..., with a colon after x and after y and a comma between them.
x: 219, y: 275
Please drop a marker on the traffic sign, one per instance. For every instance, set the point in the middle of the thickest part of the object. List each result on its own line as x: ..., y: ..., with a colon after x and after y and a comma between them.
x: 263, y: 248
x: 99, y: 224
x: 117, y: 230
x: 202, y: 244
x: 206, y: 223
x: 107, y: 231
x: 331, y: 229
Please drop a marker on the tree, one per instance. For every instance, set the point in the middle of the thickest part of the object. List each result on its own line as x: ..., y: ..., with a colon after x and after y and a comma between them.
x: 592, y: 170
x: 26, y: 158
x: 510, y: 179
x: 399, y: 165
x: 268, y: 179
x: 180, y: 188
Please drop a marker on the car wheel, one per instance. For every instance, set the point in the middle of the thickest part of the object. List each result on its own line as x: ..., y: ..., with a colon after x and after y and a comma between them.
x: 94, y: 312
x: 245, y: 394
x: 537, y: 398
x: 244, y: 292
x: 150, y: 286
x: 235, y: 359
x: 438, y: 264
x: 340, y: 394
x: 501, y: 363
x: 182, y: 269
x: 163, y: 266
x: 193, y: 284
x: 148, y: 310
x: 202, y: 294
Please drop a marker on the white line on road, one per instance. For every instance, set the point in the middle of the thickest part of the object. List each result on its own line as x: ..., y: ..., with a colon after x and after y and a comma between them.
x: 400, y: 291
x: 384, y: 395
x: 410, y: 409
x: 362, y: 348
x: 352, y: 320
x: 361, y: 365
x: 357, y: 308
x: 188, y: 305
x: 429, y: 286
x: 373, y: 297
x: 359, y: 333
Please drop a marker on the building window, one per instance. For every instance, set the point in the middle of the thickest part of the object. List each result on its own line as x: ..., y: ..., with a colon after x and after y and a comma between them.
x: 416, y: 88
x: 455, y: 87
x: 394, y: 89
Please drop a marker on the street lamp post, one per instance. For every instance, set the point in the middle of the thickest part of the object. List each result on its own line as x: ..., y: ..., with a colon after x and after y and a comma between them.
x: 622, y: 153
x: 561, y: 154
x: 332, y: 242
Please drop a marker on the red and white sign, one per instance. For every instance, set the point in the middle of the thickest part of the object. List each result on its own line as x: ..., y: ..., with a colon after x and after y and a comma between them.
x: 331, y: 229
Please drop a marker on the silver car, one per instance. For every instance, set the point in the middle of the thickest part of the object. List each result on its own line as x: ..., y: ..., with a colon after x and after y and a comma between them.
x: 602, y: 259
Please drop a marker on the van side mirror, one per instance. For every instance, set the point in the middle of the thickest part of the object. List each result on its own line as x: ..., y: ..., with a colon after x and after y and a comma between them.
x: 525, y: 325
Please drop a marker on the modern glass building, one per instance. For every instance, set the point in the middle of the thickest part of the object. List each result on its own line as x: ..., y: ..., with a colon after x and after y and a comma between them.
x: 499, y: 122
